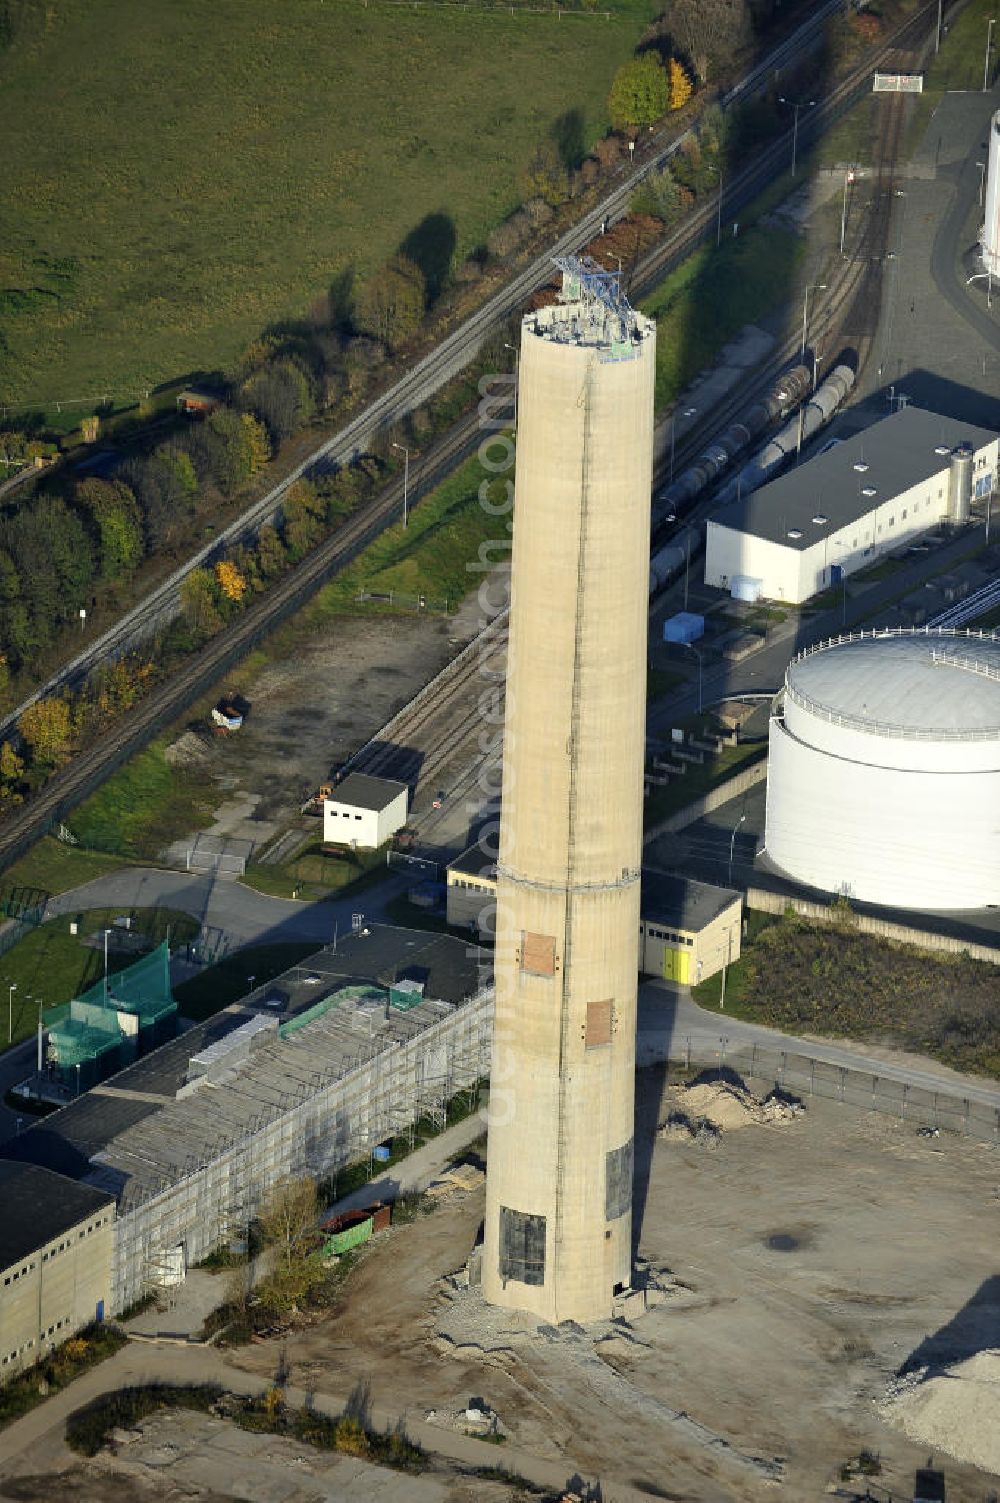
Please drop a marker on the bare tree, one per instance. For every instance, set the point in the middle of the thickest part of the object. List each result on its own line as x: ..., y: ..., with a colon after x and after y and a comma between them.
x: 710, y: 32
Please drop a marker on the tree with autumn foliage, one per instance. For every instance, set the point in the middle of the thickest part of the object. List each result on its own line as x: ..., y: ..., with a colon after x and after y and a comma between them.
x: 681, y: 87
x: 46, y: 729
x: 231, y: 582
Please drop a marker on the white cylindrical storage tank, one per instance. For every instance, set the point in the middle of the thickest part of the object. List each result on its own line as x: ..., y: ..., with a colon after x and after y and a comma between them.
x: 884, y: 770
x: 991, y: 221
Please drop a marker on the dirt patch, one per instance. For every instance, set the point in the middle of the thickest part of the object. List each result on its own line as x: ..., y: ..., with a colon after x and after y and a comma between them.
x: 309, y: 711
x: 759, y: 1356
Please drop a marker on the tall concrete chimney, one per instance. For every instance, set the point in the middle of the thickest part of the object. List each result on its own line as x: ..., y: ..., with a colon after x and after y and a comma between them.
x: 558, y: 1234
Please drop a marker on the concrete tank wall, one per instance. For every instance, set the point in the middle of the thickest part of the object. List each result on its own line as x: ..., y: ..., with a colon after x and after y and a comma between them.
x: 562, y: 1088
x: 906, y: 836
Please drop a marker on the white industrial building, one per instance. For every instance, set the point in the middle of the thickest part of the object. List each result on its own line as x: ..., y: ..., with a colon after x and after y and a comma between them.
x: 364, y: 811
x: 859, y: 499
x: 883, y: 778
x: 305, y: 1076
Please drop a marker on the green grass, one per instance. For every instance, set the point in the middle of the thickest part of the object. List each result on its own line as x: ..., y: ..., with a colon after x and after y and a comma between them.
x: 178, y: 180
x: 680, y: 792
x: 957, y: 67
x: 142, y: 807
x: 226, y: 982
x: 437, y: 555
x: 56, y: 867
x: 316, y: 875
x: 77, y: 1355
x: 712, y: 295
x: 51, y: 965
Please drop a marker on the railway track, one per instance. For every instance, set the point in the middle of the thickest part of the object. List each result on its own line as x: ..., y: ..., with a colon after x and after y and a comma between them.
x: 90, y: 767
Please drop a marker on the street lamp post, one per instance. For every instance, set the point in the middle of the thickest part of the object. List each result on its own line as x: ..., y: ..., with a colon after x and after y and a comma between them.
x: 989, y: 43
x: 732, y: 845
x: 406, y: 477
x: 689, y: 412
x: 937, y: 34
x: 801, y: 104
x: 514, y: 351
x: 813, y: 287
x: 848, y: 180
x: 10, y: 1011
x: 106, y: 933
x: 697, y: 654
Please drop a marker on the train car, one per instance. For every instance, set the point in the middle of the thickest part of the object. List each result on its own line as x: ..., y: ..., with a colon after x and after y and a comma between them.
x: 786, y: 393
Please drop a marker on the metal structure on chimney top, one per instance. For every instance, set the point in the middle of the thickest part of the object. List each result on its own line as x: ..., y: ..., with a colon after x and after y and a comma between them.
x: 586, y: 281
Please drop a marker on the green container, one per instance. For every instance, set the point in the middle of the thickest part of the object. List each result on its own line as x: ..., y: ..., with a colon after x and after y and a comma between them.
x: 351, y: 1236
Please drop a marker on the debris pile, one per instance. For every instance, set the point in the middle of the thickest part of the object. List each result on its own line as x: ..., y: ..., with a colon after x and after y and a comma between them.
x: 455, y: 1182
x: 957, y: 1410
x: 712, y: 1105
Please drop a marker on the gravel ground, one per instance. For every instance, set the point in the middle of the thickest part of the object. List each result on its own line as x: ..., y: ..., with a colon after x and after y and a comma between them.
x: 804, y: 1264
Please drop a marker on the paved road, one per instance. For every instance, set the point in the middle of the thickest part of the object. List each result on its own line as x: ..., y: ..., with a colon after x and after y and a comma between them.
x: 668, y: 1019
x: 241, y: 914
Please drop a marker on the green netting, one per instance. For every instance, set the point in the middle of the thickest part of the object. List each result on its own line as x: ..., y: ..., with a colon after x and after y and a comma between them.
x: 80, y: 1031
x: 142, y: 989
x: 342, y: 994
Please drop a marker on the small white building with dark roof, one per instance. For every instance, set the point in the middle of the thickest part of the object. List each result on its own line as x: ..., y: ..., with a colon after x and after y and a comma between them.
x: 364, y: 811
x: 856, y: 501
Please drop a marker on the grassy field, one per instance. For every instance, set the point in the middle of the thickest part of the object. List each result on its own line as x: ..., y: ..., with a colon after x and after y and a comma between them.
x: 707, y: 300
x: 831, y: 980
x: 435, y: 556
x: 220, y: 984
x: 51, y: 965
x: 178, y: 179
x: 142, y: 807
x: 315, y: 875
x: 54, y: 867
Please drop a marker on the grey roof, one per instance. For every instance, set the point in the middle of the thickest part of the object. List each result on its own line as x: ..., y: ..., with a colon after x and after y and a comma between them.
x: 38, y: 1205
x: 681, y: 903
x: 475, y: 862
x: 899, y: 451
x: 133, y: 1134
x: 366, y: 792
x: 919, y: 682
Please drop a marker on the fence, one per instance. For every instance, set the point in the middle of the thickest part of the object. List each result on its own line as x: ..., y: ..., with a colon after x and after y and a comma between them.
x: 866, y: 923
x: 809, y: 1075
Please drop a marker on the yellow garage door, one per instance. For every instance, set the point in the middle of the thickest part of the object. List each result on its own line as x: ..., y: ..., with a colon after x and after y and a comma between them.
x: 676, y: 965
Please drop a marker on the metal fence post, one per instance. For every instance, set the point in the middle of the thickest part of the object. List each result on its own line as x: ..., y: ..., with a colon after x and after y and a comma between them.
x: 935, y: 1108
x: 967, y: 1110
x: 687, y: 1053
x: 874, y: 1090
x: 753, y: 1067
x: 906, y: 1092
x: 843, y: 1082
x: 812, y: 1077
x: 781, y: 1072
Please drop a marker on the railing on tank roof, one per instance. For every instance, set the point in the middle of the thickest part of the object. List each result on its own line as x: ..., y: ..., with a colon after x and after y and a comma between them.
x: 889, y: 728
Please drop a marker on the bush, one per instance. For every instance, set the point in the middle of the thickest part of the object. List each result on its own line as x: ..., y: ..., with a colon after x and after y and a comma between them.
x: 87, y: 1428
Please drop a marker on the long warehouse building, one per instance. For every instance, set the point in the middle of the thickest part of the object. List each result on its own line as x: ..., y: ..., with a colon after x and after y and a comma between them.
x: 856, y: 501
x: 304, y: 1077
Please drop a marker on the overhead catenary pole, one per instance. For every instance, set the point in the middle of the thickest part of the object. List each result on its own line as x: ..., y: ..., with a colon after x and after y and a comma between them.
x: 10, y: 1011
x: 406, y: 477
x: 989, y: 43
x: 796, y: 105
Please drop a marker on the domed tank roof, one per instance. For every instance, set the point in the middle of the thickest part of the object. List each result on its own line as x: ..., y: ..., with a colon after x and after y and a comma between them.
x: 930, y: 685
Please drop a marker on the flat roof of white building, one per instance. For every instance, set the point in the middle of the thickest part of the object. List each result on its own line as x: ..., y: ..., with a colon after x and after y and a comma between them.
x: 830, y: 491
x: 363, y: 791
